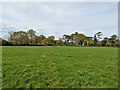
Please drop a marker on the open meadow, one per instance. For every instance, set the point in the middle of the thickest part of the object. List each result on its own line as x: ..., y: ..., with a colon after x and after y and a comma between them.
x: 59, y: 67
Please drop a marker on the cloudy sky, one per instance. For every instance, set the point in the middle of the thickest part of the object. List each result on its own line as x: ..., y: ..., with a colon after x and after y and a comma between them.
x: 58, y: 18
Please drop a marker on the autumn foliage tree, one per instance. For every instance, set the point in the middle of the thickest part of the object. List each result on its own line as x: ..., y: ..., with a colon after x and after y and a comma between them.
x: 80, y: 38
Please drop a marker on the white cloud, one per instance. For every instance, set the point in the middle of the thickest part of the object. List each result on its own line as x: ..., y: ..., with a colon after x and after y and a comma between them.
x: 46, y: 9
x: 59, y: 18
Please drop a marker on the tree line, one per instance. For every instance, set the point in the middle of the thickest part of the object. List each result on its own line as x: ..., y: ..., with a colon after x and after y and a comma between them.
x: 29, y: 38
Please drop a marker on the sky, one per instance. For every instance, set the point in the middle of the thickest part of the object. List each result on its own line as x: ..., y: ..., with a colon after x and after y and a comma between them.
x: 58, y: 18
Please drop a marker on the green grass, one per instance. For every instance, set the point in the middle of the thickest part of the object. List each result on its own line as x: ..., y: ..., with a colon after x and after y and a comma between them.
x: 59, y: 67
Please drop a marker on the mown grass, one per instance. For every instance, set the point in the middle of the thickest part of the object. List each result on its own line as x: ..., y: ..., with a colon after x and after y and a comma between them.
x: 59, y: 67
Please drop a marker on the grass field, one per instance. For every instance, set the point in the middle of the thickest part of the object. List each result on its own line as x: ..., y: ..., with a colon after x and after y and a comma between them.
x: 59, y: 67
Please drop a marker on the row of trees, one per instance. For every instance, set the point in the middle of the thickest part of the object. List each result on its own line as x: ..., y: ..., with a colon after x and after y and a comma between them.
x: 29, y: 38
x: 75, y: 39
